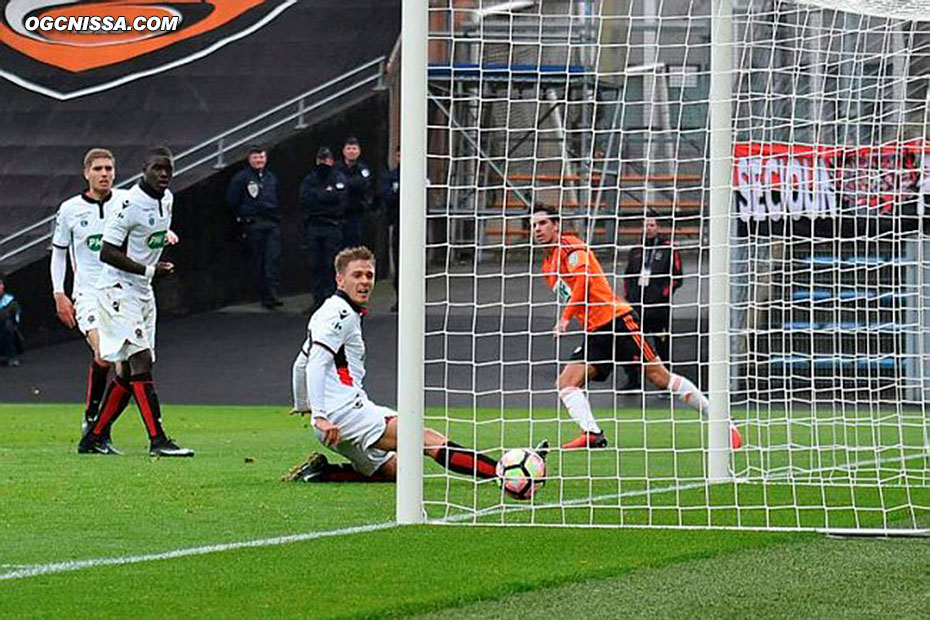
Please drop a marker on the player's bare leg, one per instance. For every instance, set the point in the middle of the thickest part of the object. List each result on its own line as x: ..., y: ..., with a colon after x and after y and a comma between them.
x: 571, y: 384
x: 684, y: 390
x: 447, y: 453
x: 450, y: 455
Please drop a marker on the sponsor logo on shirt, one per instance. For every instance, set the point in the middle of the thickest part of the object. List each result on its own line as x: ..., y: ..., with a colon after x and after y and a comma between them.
x: 94, y: 242
x: 156, y: 240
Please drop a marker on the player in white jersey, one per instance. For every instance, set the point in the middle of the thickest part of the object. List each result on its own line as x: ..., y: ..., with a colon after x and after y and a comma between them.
x: 77, y: 235
x: 133, y: 240
x: 327, y: 384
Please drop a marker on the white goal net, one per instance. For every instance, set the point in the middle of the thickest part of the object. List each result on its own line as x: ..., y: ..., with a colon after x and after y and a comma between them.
x: 781, y: 151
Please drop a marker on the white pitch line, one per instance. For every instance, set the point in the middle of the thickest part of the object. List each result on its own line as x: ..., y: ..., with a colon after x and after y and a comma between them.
x: 75, y: 565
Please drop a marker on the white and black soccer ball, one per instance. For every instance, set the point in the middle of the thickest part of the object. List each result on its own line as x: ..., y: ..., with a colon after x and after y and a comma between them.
x: 521, y: 473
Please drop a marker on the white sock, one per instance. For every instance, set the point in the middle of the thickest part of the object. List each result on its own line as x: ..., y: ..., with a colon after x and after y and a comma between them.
x: 579, y: 408
x: 687, y: 393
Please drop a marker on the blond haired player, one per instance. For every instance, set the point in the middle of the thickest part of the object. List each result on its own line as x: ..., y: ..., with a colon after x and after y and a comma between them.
x: 327, y: 381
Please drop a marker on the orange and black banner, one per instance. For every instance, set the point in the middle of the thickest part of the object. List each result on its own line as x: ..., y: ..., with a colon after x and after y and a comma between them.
x: 65, y: 49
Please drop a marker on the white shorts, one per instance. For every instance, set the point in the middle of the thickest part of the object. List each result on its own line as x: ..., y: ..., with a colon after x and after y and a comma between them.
x: 85, y: 310
x: 362, y: 424
x: 127, y: 322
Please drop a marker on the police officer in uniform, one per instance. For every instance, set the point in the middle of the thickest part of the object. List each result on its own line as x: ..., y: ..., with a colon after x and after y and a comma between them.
x: 653, y: 273
x: 323, y: 204
x: 253, y: 195
x: 359, y: 191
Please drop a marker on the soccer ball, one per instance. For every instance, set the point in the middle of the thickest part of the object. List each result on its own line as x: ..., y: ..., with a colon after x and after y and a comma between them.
x: 521, y: 473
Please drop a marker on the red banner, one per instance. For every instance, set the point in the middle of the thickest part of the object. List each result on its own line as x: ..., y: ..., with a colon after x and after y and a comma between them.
x: 775, y: 181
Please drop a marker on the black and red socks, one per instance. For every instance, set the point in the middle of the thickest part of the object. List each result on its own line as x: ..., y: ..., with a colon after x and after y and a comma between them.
x: 96, y: 387
x: 143, y: 390
x: 461, y: 460
x: 114, y: 403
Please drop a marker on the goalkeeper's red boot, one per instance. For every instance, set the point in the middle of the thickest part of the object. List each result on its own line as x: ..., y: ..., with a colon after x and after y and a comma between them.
x: 736, y: 437
x: 586, y: 440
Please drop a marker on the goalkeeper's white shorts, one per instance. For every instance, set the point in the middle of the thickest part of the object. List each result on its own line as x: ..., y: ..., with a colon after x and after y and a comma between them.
x: 127, y: 322
x: 362, y: 423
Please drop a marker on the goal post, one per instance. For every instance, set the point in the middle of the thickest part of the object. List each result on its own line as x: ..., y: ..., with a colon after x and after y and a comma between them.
x: 720, y: 115
x: 412, y: 287
x: 783, y: 147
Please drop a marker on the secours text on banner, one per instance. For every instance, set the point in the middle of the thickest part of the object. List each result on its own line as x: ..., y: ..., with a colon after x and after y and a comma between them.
x: 782, y: 188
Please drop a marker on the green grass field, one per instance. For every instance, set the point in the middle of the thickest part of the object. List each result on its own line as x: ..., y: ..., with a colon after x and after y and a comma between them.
x: 118, y: 520
x: 820, y: 471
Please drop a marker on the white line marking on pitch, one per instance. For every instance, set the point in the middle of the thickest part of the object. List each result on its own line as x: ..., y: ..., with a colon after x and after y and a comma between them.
x: 25, y: 571
x: 74, y: 565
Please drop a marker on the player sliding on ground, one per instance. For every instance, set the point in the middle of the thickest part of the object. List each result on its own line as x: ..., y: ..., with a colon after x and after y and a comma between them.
x: 612, y: 331
x: 327, y: 383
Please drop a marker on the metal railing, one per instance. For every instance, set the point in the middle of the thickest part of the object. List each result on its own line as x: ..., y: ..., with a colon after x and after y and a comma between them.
x: 216, y: 148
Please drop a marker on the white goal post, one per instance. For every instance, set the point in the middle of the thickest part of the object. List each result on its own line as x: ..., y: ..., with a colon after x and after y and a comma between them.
x: 783, y: 149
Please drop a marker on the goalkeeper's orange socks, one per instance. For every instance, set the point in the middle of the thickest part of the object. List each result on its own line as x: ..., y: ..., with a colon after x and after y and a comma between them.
x: 461, y: 460
x: 579, y: 409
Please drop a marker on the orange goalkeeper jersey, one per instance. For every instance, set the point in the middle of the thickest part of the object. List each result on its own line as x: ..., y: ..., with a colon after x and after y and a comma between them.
x: 575, y: 275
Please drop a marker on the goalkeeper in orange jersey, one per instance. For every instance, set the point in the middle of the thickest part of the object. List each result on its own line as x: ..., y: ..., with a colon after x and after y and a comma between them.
x: 612, y: 331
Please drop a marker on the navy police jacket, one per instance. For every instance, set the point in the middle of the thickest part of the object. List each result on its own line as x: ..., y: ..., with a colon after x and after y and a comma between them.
x: 323, y: 195
x: 254, y: 194
x: 360, y: 181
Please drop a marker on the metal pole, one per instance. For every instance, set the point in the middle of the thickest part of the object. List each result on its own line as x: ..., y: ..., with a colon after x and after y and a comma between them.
x: 412, y: 293
x: 721, y: 174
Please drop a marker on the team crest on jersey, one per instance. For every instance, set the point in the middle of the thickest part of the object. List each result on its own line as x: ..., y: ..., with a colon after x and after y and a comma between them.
x: 83, y: 223
x: 156, y: 240
x: 64, y: 64
x: 658, y: 256
x: 573, y: 259
x: 94, y: 243
x: 151, y: 220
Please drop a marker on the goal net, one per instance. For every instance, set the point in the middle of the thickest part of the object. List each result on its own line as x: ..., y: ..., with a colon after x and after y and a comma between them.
x: 780, y: 149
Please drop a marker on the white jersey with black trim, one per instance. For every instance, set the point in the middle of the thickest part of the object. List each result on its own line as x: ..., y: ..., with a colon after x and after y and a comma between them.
x: 79, y: 230
x: 139, y: 226
x: 337, y: 327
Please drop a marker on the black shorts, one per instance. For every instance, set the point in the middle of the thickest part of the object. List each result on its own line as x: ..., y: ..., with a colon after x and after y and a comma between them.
x: 620, y: 341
